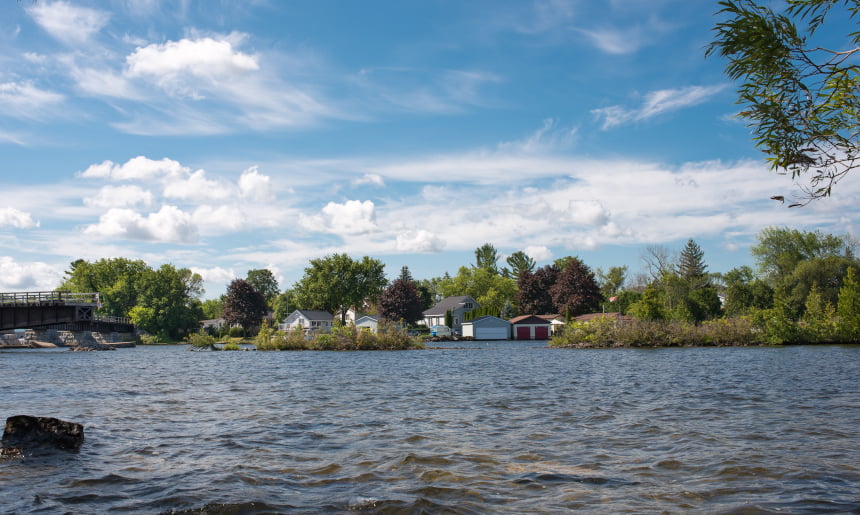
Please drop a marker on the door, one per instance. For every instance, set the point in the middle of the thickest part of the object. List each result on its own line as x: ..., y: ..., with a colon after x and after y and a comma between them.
x: 524, y: 333
x: 492, y: 333
x: 541, y: 332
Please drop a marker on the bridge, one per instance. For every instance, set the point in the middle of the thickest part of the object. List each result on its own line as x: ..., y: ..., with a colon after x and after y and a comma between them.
x: 60, y: 310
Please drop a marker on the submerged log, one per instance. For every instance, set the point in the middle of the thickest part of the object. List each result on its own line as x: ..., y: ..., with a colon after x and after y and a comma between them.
x: 24, y: 434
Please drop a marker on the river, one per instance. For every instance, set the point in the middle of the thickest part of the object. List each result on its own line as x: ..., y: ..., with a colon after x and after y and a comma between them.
x: 507, y: 427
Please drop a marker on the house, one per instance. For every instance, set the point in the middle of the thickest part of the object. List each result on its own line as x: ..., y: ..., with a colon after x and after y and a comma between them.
x: 309, y: 321
x: 368, y: 322
x: 458, y: 306
x: 487, y: 328
x: 530, y: 327
x: 556, y: 322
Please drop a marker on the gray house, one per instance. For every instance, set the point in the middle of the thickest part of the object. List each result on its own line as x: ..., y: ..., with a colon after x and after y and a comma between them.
x: 458, y: 306
x: 309, y: 321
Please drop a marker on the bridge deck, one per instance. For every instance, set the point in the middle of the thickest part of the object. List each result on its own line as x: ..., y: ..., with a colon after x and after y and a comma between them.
x: 22, y: 310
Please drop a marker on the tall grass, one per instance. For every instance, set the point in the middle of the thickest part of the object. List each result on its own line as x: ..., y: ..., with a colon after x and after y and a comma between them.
x: 341, y: 337
x: 606, y: 333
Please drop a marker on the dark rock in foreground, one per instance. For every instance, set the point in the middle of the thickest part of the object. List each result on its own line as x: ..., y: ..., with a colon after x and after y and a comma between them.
x: 24, y: 434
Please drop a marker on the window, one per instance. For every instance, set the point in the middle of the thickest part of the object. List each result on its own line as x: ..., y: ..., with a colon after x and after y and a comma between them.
x: 468, y: 305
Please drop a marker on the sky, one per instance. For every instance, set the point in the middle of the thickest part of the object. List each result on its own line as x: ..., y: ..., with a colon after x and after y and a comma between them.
x: 236, y: 135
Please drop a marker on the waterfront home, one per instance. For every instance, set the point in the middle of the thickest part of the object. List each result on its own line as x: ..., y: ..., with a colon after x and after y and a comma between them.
x: 458, y: 306
x: 310, y: 321
x: 487, y: 328
x: 368, y: 323
x: 530, y: 327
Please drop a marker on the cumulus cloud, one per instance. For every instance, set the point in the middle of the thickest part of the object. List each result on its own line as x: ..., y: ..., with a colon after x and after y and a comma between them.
x: 587, y: 212
x: 538, y: 252
x: 9, y: 216
x: 176, y: 66
x: 196, y: 186
x: 350, y: 218
x: 70, y: 24
x: 168, y: 225
x: 137, y: 168
x: 216, y: 275
x: 220, y: 218
x: 255, y: 186
x: 31, y: 276
x: 120, y: 196
x: 656, y: 103
x: 420, y: 241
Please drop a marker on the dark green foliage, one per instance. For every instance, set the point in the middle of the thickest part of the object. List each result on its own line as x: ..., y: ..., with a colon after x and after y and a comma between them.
x: 606, y: 332
x: 848, y: 308
x: 283, y: 305
x: 691, y: 264
x: 801, y: 101
x: 244, y: 305
x: 263, y: 280
x: 400, y: 301
x: 519, y: 262
x: 533, y: 290
x: 487, y: 257
x: 576, y: 290
x: 449, y: 318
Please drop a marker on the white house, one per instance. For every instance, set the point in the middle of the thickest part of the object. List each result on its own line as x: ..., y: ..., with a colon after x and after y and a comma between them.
x: 458, y: 306
x: 309, y: 321
x: 487, y: 328
x: 368, y: 322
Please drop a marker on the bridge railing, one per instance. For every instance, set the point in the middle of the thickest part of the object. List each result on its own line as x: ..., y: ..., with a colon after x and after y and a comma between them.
x: 36, y: 298
x: 112, y: 319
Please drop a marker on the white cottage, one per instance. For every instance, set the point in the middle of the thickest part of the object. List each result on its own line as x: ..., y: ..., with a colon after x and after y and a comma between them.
x: 487, y: 328
x: 368, y: 322
x: 309, y: 321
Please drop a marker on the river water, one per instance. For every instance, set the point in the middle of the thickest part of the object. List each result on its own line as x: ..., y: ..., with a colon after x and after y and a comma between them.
x: 492, y: 428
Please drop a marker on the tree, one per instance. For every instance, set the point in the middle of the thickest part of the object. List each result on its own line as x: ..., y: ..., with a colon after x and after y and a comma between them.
x: 780, y: 250
x: 400, y: 301
x: 212, y: 308
x: 801, y: 100
x: 490, y: 289
x: 167, y: 302
x: 336, y: 283
x: 612, y: 281
x: 283, y: 305
x: 576, y: 290
x: 745, y: 292
x: 848, y: 308
x: 519, y: 262
x: 658, y: 260
x: 691, y: 263
x: 116, y: 280
x: 533, y: 290
x: 243, y: 304
x: 263, y: 280
x: 487, y: 257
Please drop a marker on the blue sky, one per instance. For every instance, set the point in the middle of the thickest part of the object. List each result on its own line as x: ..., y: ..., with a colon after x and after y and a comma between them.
x: 228, y: 136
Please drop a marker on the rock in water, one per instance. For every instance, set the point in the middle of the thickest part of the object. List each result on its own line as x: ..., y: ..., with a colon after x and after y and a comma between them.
x: 25, y: 433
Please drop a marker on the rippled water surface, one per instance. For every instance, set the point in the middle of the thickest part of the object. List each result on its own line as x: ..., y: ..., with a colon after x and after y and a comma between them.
x: 495, y: 428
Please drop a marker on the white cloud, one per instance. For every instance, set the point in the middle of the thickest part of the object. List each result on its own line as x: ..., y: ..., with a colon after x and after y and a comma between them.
x: 168, y: 225
x: 255, y: 186
x: 31, y: 276
x: 656, y: 103
x: 420, y: 241
x: 217, y: 276
x: 176, y: 66
x: 71, y: 24
x: 351, y: 217
x: 120, y: 196
x: 538, y: 252
x: 196, y: 186
x: 369, y: 178
x: 587, y: 212
x: 24, y: 100
x: 219, y: 219
x: 9, y: 216
x: 137, y: 168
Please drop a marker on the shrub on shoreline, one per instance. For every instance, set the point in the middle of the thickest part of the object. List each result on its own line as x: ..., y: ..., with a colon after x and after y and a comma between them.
x: 608, y: 333
x: 342, y: 337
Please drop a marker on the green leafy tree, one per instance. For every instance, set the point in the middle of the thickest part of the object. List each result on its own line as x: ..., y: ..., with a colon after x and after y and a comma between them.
x: 244, y: 305
x: 848, y: 308
x: 779, y: 250
x: 116, y: 280
x: 649, y: 306
x: 612, y: 281
x: 212, y: 308
x: 168, y: 303
x: 519, y: 262
x: 337, y: 282
x: 283, y: 305
x: 818, y: 318
x: 745, y: 292
x: 801, y: 100
x: 400, y: 301
x: 263, y: 280
x: 490, y: 289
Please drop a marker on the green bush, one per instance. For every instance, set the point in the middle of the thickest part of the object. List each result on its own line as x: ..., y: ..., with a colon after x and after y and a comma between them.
x: 605, y: 332
x: 201, y: 340
x: 231, y: 346
x: 236, y: 332
x: 341, y: 337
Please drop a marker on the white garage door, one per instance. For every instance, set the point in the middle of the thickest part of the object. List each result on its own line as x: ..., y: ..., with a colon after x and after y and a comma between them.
x: 491, y: 333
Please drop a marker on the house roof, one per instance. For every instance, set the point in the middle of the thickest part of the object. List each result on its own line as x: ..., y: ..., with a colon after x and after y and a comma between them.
x: 449, y: 303
x: 485, y: 318
x: 551, y: 317
x: 530, y: 320
x: 367, y: 318
x: 311, y: 314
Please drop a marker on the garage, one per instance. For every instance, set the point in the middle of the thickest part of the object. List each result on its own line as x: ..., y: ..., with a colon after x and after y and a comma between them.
x: 531, y: 327
x: 487, y: 328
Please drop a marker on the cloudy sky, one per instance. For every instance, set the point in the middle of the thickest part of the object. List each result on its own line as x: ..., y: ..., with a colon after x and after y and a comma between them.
x: 233, y: 135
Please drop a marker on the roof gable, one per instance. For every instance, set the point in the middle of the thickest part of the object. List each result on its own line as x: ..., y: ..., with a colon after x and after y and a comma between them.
x: 312, y: 315
x: 450, y: 303
x: 529, y: 320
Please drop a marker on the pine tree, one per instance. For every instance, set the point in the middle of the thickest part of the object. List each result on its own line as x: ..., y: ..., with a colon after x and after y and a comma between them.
x: 691, y: 264
x: 848, y: 308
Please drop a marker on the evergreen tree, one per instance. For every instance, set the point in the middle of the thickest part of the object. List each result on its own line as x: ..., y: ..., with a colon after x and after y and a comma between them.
x: 691, y: 264
x: 519, y: 262
x: 848, y: 308
x: 487, y: 257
